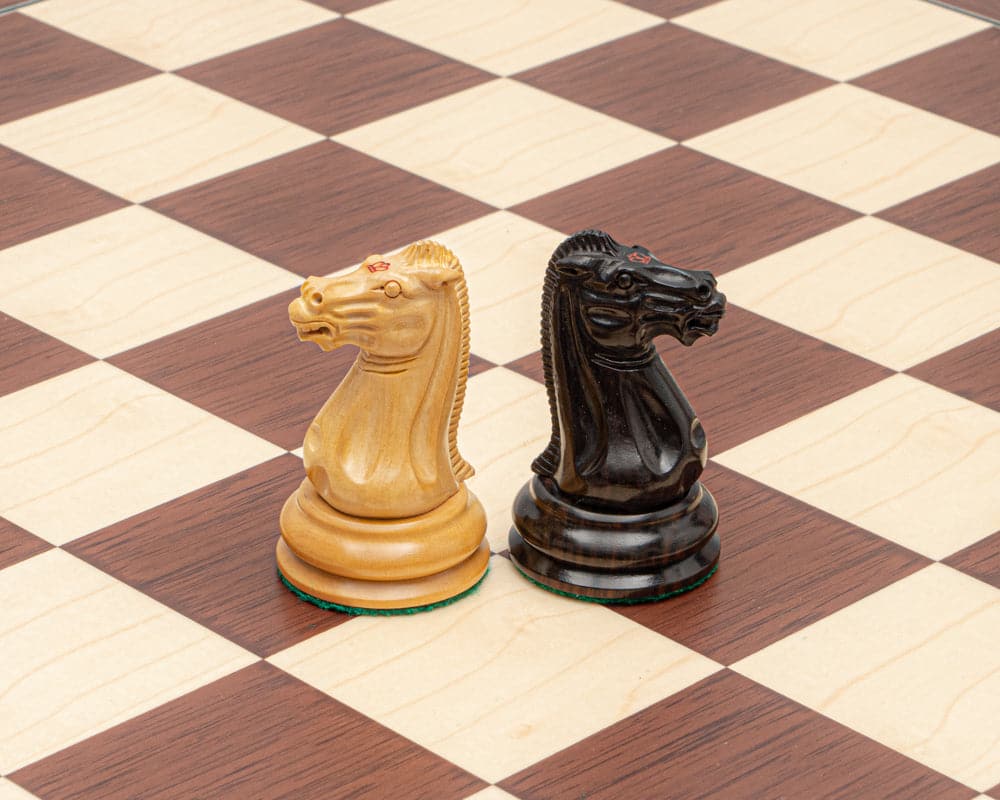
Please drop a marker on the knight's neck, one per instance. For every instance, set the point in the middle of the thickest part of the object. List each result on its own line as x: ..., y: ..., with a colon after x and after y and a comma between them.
x: 620, y: 359
x: 374, y: 364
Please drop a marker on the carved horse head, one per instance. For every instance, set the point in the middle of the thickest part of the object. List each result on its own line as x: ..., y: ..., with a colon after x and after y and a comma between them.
x: 626, y: 296
x: 385, y: 443
x: 622, y: 431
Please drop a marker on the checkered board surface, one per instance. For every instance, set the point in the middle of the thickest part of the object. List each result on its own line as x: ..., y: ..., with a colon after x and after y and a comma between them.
x: 169, y: 172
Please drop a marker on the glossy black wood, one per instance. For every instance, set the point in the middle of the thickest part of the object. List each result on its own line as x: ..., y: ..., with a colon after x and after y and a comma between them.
x: 616, y: 511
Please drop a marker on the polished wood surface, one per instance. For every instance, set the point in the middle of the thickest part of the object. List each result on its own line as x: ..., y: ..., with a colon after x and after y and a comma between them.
x: 616, y: 512
x: 383, y: 519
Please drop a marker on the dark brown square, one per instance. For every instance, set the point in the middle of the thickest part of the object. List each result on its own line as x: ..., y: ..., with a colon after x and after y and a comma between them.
x: 247, y: 367
x: 345, y: 6
x: 210, y: 556
x: 990, y: 9
x: 691, y: 210
x: 16, y: 544
x: 963, y: 213
x: 36, y: 199
x: 668, y: 8
x: 319, y: 208
x: 673, y: 81
x: 753, y: 376
x: 728, y: 737
x: 335, y: 76
x: 45, y: 67
x: 784, y: 566
x: 971, y: 370
x: 980, y: 560
x: 256, y: 733
x: 959, y: 80
x: 28, y: 356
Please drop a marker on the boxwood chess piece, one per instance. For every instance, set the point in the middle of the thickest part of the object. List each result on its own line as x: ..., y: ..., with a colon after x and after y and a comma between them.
x: 615, y: 511
x: 383, y: 521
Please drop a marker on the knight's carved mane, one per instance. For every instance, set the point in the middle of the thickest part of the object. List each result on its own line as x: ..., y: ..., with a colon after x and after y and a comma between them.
x: 432, y: 254
x: 588, y: 242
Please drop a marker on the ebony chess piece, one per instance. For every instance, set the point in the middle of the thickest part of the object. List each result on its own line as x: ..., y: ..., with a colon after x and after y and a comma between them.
x: 615, y: 511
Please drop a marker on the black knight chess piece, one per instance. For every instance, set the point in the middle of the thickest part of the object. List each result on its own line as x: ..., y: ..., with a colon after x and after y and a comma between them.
x: 615, y: 511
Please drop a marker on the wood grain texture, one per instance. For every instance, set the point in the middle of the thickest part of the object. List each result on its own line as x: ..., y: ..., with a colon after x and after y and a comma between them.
x: 615, y: 510
x: 981, y: 560
x: 490, y: 141
x: 988, y: 8
x: 319, y: 208
x: 694, y: 211
x: 175, y: 34
x: 255, y: 349
x: 668, y: 8
x: 37, y: 199
x: 335, y: 76
x: 785, y: 565
x: 16, y: 544
x: 673, y: 81
x: 959, y: 80
x: 963, y: 213
x: 708, y: 741
x: 972, y: 370
x: 345, y: 6
x: 901, y: 458
x: 45, y: 67
x: 741, y: 388
x: 28, y: 356
x: 383, y: 518
x: 210, y: 555
x: 256, y: 733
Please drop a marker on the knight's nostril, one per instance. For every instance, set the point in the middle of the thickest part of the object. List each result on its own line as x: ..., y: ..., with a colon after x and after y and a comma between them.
x: 317, y: 298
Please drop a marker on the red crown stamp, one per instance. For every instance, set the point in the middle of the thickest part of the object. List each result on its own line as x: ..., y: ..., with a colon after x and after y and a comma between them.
x: 639, y: 258
x: 378, y: 266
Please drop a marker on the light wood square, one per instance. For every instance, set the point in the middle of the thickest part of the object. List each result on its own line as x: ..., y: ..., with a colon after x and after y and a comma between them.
x: 906, y: 460
x: 96, y: 445
x: 506, y: 36
x: 853, y: 147
x: 153, y: 136
x: 173, y: 34
x: 915, y: 666
x: 503, y: 142
x: 876, y: 289
x: 473, y: 682
x: 129, y: 277
x: 504, y: 258
x: 83, y: 652
x: 505, y: 425
x: 840, y: 40
x: 489, y: 793
x: 10, y: 791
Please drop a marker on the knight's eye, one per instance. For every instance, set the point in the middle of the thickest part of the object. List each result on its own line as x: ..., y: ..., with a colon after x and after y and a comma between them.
x: 392, y: 289
x: 624, y: 280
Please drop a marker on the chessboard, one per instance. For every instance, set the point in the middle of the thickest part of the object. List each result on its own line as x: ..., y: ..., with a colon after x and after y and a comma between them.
x: 170, y: 173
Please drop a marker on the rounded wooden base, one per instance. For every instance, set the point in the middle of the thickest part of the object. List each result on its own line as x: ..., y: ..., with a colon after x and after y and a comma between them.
x: 610, y: 557
x: 355, y: 593
x: 370, y: 563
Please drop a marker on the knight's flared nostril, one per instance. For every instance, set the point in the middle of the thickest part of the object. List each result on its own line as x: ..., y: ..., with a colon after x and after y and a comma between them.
x: 316, y: 298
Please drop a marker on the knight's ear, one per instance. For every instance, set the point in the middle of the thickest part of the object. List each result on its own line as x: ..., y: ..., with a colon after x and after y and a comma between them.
x: 578, y: 265
x: 435, y: 277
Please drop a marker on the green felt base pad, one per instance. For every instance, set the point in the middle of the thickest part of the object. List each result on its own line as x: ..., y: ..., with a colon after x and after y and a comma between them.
x: 379, y: 612
x: 622, y: 601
